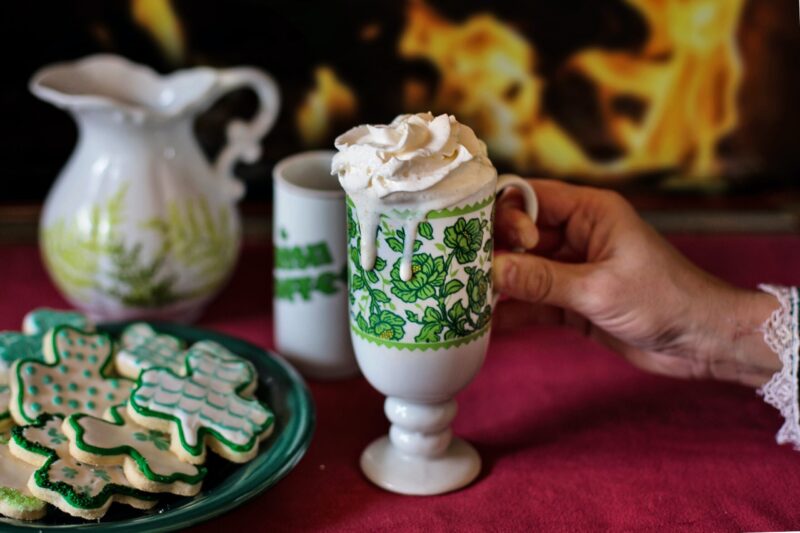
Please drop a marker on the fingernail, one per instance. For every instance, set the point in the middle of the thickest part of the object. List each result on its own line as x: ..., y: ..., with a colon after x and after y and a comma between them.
x: 528, y: 240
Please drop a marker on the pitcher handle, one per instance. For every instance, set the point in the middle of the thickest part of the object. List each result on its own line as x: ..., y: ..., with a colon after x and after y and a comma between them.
x: 529, y: 198
x: 244, y: 138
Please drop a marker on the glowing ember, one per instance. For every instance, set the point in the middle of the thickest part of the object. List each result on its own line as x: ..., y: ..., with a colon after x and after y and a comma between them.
x: 686, y: 78
x: 158, y: 18
x: 329, y: 102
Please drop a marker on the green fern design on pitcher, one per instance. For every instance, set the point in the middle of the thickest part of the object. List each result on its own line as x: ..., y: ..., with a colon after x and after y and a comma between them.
x: 200, y: 239
x: 73, y: 256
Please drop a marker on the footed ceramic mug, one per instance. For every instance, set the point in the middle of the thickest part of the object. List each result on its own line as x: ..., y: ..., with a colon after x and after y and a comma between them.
x: 421, y: 341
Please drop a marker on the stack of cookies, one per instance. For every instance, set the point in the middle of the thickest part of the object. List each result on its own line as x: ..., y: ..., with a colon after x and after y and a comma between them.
x: 99, y: 422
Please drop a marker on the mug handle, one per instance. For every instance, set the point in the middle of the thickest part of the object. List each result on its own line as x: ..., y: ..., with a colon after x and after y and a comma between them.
x: 244, y: 138
x: 529, y: 197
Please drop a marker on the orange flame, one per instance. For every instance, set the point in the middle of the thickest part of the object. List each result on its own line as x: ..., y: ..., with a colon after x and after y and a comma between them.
x: 330, y: 101
x: 158, y: 18
x: 687, y: 75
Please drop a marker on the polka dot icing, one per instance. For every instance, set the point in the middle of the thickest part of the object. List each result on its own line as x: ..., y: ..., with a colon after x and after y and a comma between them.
x: 64, y: 385
x: 15, y: 345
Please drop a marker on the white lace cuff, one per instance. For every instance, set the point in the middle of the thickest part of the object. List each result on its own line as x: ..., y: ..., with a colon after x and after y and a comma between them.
x: 781, y: 335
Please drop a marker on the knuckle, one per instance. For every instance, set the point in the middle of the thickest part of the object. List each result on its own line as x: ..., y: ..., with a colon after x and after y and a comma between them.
x: 538, y: 283
x: 600, y: 289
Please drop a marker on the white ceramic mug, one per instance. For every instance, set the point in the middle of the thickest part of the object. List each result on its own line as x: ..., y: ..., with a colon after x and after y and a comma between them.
x: 310, y: 291
x: 421, y: 341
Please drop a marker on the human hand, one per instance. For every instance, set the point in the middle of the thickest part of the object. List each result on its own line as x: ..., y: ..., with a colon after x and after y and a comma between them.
x: 599, y: 267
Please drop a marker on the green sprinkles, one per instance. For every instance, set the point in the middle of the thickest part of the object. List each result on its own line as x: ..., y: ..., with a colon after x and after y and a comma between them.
x: 14, y: 497
x: 57, y: 387
x: 93, y: 359
x: 114, y: 383
x: 90, y: 405
x: 30, y: 370
x: 73, y: 404
x: 87, y: 373
x: 58, y: 400
x: 36, y: 406
x: 72, y: 387
x: 33, y: 389
x: 110, y: 396
x: 91, y: 391
x: 63, y: 369
x: 47, y: 379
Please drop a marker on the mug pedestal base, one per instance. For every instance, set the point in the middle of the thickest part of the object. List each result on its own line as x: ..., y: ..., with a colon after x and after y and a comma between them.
x: 396, y: 471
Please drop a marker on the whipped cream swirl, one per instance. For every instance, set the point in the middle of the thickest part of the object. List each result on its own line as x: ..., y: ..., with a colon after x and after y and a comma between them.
x: 413, y: 153
x: 418, y: 161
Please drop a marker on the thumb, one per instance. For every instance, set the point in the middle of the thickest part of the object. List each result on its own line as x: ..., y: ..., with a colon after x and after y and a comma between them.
x: 539, y: 280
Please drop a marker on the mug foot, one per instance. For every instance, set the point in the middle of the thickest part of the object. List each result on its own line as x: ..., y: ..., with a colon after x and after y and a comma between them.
x: 395, y: 471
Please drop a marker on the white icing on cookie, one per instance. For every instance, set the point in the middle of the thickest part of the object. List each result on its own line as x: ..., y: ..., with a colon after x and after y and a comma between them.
x: 143, y: 348
x: 151, y: 444
x: 79, y: 482
x: 208, y: 398
x: 71, y: 379
x: 28, y: 344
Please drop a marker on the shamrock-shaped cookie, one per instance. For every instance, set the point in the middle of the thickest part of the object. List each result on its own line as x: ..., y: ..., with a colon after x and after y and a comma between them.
x: 5, y: 416
x: 74, y: 487
x: 71, y: 379
x: 16, y: 501
x: 143, y: 348
x: 144, y: 453
x: 204, y: 407
x: 28, y: 344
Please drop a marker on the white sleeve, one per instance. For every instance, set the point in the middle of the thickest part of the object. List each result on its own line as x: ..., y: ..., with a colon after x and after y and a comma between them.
x: 781, y: 335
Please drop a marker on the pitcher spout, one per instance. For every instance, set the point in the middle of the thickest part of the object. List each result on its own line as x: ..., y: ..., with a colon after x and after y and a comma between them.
x: 109, y: 83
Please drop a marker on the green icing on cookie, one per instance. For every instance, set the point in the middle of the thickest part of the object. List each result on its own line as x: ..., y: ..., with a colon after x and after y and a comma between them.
x: 28, y: 345
x: 15, y: 498
x: 142, y: 348
x: 206, y: 401
x: 122, y: 437
x: 81, y: 486
x: 63, y: 385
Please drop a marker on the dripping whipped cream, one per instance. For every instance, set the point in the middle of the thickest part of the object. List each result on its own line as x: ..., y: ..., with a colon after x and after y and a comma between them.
x: 417, y: 164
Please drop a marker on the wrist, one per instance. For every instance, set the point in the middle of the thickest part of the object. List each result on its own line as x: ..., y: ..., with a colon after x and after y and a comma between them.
x: 737, y: 351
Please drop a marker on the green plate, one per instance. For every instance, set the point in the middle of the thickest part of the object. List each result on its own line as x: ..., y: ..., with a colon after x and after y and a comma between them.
x: 228, y: 485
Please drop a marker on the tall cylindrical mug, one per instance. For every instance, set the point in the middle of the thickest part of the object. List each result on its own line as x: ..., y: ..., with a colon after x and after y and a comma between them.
x: 310, y: 270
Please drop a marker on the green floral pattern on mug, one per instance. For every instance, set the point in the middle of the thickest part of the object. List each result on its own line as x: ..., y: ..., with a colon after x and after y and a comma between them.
x: 445, y: 302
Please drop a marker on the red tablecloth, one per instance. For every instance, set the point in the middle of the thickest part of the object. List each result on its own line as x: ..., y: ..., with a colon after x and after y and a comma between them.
x: 572, y: 438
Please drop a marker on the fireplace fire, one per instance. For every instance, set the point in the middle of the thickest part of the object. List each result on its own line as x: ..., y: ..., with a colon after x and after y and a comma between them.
x: 664, y: 107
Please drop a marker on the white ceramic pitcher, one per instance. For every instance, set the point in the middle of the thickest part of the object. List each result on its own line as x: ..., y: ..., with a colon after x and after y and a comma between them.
x: 139, y: 224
